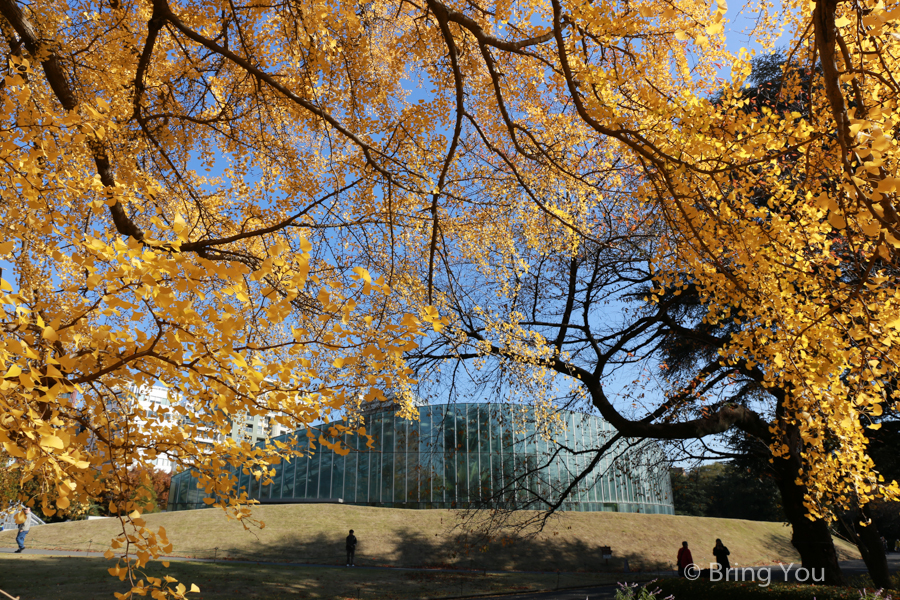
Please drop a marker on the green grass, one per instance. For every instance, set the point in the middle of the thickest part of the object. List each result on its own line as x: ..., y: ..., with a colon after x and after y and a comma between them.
x: 33, y: 577
x: 314, y: 534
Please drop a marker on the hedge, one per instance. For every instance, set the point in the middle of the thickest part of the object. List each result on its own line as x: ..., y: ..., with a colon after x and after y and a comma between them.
x: 684, y: 589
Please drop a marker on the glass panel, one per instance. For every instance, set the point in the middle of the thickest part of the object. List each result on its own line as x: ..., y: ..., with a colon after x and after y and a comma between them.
x: 578, y: 431
x: 472, y: 427
x: 497, y: 475
x: 474, y: 475
x: 387, y: 434
x: 630, y: 488
x: 436, y: 476
x: 312, y: 479
x: 275, y: 491
x: 374, y: 430
x: 287, y: 489
x: 302, y: 470
x: 530, y: 436
x: 509, y: 474
x: 462, y: 476
x: 542, y: 481
x: 485, y: 491
x: 182, y: 491
x: 387, y: 476
x: 575, y: 462
x: 507, y: 445
x: 173, y: 494
x: 461, y: 413
x: 244, y: 481
x: 325, y: 472
x: 604, y: 489
x: 400, y: 476
x: 484, y: 428
x: 337, y: 476
x: 518, y: 431
x: 548, y: 476
x: 449, y: 425
x: 438, y: 423
x: 531, y: 478
x: 352, y: 469
x: 401, y: 440
x: 584, y: 487
x: 571, y: 469
x: 415, y: 476
x: 590, y: 434
x: 496, y: 422
x: 362, y: 476
x: 412, y: 436
x: 301, y: 482
x: 374, y: 476
x: 450, y: 492
x: 426, y: 444
x: 193, y: 496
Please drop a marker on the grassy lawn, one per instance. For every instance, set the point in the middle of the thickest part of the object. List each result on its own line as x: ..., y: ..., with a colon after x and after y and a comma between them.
x: 55, y: 578
x: 314, y: 534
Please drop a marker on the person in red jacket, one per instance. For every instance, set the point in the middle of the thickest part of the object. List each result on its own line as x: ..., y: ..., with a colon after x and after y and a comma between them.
x: 684, y: 558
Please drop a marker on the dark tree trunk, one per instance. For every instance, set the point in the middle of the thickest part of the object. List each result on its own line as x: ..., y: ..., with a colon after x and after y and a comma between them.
x: 868, y: 539
x: 811, y: 537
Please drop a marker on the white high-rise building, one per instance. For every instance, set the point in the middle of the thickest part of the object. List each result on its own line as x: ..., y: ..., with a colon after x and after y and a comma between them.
x: 244, y: 427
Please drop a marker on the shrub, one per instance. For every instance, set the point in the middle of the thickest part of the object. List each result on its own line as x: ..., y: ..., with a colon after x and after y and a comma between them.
x: 684, y: 589
x: 633, y: 591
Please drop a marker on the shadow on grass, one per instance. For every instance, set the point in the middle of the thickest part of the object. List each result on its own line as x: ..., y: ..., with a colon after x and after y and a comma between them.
x: 34, y: 577
x: 780, y: 546
x: 412, y: 548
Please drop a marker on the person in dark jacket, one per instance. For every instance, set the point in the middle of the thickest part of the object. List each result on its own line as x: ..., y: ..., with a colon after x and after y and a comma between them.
x: 351, y: 548
x: 685, y: 559
x: 721, y: 553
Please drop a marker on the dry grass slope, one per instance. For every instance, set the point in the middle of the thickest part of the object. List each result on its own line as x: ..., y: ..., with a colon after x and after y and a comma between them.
x: 314, y: 534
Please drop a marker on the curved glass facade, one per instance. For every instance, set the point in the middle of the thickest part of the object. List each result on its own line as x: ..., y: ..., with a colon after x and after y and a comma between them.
x: 467, y: 455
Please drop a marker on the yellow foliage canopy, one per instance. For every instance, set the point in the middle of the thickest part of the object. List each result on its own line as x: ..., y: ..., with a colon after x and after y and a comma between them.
x: 197, y: 193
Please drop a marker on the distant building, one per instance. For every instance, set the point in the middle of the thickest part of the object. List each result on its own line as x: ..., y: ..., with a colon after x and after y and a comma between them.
x: 253, y: 429
x: 465, y: 455
x: 256, y: 429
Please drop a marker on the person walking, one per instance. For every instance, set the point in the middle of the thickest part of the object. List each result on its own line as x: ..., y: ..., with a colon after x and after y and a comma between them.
x: 721, y: 553
x: 351, y: 548
x: 24, y: 528
x: 685, y: 559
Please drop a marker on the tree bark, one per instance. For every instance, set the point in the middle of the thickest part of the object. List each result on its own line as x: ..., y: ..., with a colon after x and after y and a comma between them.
x: 811, y: 537
x: 868, y: 539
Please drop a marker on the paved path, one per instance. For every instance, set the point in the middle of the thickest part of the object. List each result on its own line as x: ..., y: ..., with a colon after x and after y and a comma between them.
x: 593, y: 593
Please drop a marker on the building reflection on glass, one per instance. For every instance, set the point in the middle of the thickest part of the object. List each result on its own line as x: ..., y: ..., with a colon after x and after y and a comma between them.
x: 466, y: 456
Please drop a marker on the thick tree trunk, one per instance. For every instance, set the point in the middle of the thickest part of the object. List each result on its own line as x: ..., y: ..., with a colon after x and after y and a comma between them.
x: 811, y: 537
x: 868, y: 539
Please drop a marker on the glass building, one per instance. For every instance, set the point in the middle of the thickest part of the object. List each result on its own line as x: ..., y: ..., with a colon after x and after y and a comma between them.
x: 466, y: 456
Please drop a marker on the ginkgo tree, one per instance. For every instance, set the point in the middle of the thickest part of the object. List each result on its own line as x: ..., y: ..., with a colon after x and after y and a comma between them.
x: 807, y: 273
x: 262, y: 204
x: 158, y: 221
